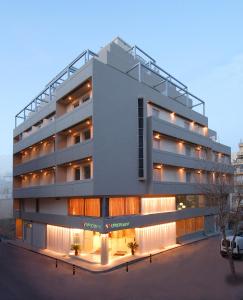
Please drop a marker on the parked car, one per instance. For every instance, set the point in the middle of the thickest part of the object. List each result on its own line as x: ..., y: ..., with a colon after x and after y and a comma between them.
x: 237, y: 247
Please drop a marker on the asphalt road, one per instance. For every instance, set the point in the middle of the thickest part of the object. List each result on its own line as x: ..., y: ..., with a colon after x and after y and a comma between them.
x: 195, y: 272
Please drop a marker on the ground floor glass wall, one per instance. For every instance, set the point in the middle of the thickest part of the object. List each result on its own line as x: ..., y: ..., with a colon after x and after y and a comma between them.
x: 156, y: 237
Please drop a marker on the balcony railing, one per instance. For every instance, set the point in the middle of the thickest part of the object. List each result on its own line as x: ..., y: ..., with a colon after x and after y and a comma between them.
x: 161, y: 78
x: 48, y: 93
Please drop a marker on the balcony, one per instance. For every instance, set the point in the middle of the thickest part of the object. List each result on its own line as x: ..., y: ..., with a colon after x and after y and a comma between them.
x: 35, y: 151
x: 77, y: 134
x: 38, y: 178
x: 75, y: 99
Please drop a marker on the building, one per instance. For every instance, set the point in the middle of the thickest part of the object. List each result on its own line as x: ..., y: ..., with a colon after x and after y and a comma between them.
x: 114, y: 149
x: 237, y: 162
x: 6, y: 199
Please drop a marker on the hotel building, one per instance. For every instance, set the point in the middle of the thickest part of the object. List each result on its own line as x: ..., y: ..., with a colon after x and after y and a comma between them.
x: 114, y: 149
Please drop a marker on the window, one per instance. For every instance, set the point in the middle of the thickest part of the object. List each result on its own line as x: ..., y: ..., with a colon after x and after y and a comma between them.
x: 187, y: 226
x: 124, y: 206
x: 84, y: 207
x: 140, y: 139
x: 92, y: 207
x: 86, y: 134
x: 77, y: 173
x: 19, y: 228
x: 87, y: 171
x: 188, y: 176
x: 76, y: 104
x: 76, y: 207
x: 76, y: 139
x: 86, y: 98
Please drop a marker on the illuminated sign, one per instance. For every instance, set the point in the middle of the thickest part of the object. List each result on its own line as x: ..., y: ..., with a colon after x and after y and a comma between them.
x: 117, y: 225
x: 88, y: 225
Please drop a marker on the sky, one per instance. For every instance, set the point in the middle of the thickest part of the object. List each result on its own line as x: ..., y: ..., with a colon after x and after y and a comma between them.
x: 199, y: 42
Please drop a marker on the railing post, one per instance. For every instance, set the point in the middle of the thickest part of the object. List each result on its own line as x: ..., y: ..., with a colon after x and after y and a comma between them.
x: 150, y: 258
x: 126, y: 266
x: 166, y: 88
x: 50, y: 92
x: 74, y: 270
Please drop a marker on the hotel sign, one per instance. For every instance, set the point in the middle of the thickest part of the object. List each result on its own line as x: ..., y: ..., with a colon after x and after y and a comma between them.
x: 117, y: 225
x: 92, y: 226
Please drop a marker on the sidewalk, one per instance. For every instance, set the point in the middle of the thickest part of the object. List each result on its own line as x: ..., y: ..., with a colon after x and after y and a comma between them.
x: 96, y: 267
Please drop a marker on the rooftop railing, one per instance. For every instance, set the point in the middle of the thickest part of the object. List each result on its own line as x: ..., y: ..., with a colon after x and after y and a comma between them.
x: 47, y: 94
x: 146, y: 62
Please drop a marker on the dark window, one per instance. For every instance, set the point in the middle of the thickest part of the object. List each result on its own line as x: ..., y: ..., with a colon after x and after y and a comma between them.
x: 86, y: 134
x: 76, y: 104
x: 77, y: 174
x: 86, y: 172
x: 77, y: 139
x: 188, y: 176
x: 86, y: 98
x: 140, y: 138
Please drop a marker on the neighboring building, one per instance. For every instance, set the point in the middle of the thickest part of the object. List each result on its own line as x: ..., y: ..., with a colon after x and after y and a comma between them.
x: 6, y: 198
x: 237, y: 162
x: 114, y: 150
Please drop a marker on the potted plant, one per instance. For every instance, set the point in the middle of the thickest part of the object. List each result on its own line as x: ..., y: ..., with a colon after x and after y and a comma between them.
x: 133, y: 246
x: 76, y: 248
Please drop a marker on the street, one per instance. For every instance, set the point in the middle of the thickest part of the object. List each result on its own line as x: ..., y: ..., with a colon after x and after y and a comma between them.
x: 194, y: 271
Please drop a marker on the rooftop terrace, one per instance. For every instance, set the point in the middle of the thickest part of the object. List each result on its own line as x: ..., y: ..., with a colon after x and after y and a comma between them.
x: 145, y: 65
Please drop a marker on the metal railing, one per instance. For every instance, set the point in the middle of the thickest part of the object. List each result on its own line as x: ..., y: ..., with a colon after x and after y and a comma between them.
x: 47, y: 94
x: 167, y: 79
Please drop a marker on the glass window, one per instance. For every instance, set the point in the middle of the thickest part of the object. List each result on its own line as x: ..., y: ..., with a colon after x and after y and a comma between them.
x: 86, y: 171
x: 77, y: 174
x: 86, y: 134
x: 77, y: 139
x: 76, y: 207
x: 92, y: 207
x: 19, y: 228
x: 124, y: 206
x: 76, y: 104
x: 84, y: 207
x: 188, y: 226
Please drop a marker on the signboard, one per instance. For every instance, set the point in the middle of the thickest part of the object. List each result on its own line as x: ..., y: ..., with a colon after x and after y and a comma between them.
x: 92, y: 226
x: 117, y: 225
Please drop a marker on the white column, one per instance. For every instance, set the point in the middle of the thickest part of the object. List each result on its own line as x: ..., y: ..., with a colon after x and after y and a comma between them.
x: 104, y: 259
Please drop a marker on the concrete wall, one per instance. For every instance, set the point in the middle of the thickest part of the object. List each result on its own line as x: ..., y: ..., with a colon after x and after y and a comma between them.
x: 53, y: 206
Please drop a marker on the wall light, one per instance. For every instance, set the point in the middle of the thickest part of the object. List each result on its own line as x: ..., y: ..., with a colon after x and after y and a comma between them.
x: 157, y: 136
x: 69, y: 98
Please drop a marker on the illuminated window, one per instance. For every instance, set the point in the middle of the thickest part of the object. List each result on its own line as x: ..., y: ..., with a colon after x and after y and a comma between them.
x: 188, y: 226
x: 76, y: 207
x: 19, y: 228
x: 124, y: 206
x: 84, y: 207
